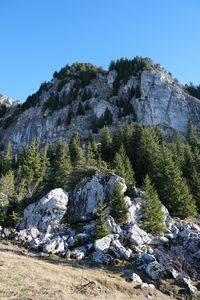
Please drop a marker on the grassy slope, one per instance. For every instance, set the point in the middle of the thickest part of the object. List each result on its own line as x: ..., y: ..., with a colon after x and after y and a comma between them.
x: 26, y: 277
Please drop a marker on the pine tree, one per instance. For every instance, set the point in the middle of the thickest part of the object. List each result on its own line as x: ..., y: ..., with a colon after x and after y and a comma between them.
x: 76, y: 152
x: 192, y: 176
x: 172, y: 188
x: 118, y: 206
x: 123, y: 167
x: 69, y: 116
x: 152, y: 216
x: 33, y: 168
x: 106, y: 145
x: 80, y: 110
x: 101, y: 229
x: 192, y: 136
x: 7, y: 185
x: 62, y: 165
x: 107, y: 117
x: 92, y: 153
x: 147, y: 153
x: 7, y: 159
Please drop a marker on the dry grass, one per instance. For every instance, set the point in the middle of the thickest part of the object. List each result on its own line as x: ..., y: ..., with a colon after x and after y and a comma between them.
x: 25, y: 277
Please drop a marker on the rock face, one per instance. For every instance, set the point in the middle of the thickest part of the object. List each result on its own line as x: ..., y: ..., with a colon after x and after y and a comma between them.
x: 162, y: 102
x: 165, y: 103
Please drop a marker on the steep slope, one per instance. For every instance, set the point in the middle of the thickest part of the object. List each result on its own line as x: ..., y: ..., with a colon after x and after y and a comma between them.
x: 83, y: 97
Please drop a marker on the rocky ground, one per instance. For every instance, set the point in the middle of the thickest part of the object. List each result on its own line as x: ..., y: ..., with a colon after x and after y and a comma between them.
x: 25, y: 276
x: 63, y: 224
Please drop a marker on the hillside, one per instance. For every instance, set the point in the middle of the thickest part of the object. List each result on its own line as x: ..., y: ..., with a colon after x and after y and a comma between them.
x: 85, y: 97
x: 24, y: 276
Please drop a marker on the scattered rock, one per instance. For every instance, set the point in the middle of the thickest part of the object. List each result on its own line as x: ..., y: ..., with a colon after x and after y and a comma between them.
x: 79, y: 253
x: 102, y: 258
x: 153, y: 270
x: 103, y: 244
x: 112, y: 226
x: 120, y: 251
x: 134, y: 278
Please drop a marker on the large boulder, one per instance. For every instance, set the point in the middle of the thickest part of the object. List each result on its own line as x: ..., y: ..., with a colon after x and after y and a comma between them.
x: 47, y: 214
x: 84, y: 200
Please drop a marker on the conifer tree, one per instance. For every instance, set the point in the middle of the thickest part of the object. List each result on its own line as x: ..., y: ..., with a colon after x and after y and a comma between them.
x: 91, y: 156
x: 192, y: 176
x: 192, y: 136
x: 148, y: 154
x: 80, y: 110
x: 118, y: 206
x: 172, y: 188
x: 33, y: 168
x: 152, y: 216
x: 106, y: 145
x: 69, y: 116
x: 7, y: 159
x: 123, y: 167
x: 92, y: 153
x: 7, y: 185
x: 76, y: 152
x: 107, y: 117
x: 101, y: 229
x: 62, y: 165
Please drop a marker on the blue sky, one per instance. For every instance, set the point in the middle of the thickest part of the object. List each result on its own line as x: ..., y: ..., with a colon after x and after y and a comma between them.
x: 38, y: 37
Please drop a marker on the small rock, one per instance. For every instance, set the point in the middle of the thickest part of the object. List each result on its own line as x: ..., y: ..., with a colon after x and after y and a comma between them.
x: 144, y: 285
x: 135, y: 278
x: 79, y: 253
x: 102, y: 258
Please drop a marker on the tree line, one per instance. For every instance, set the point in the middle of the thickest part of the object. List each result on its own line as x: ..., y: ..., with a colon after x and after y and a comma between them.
x: 168, y: 170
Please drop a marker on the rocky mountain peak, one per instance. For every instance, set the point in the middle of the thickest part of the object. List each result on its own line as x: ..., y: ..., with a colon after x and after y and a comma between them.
x: 84, y: 97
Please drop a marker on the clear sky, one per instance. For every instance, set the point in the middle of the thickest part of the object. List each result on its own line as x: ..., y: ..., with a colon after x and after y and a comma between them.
x: 38, y: 37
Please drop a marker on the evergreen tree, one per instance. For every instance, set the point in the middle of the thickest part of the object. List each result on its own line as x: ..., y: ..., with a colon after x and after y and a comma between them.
x: 91, y: 155
x: 192, y: 136
x: 172, y: 188
x: 108, y: 118
x: 152, y: 216
x: 192, y: 176
x: 178, y: 149
x: 33, y: 168
x: 62, y: 165
x: 7, y: 159
x: 147, y: 153
x: 123, y: 167
x: 69, y: 116
x: 106, y: 145
x: 7, y: 185
x: 80, y: 110
x: 101, y: 229
x: 118, y: 206
x: 76, y: 152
